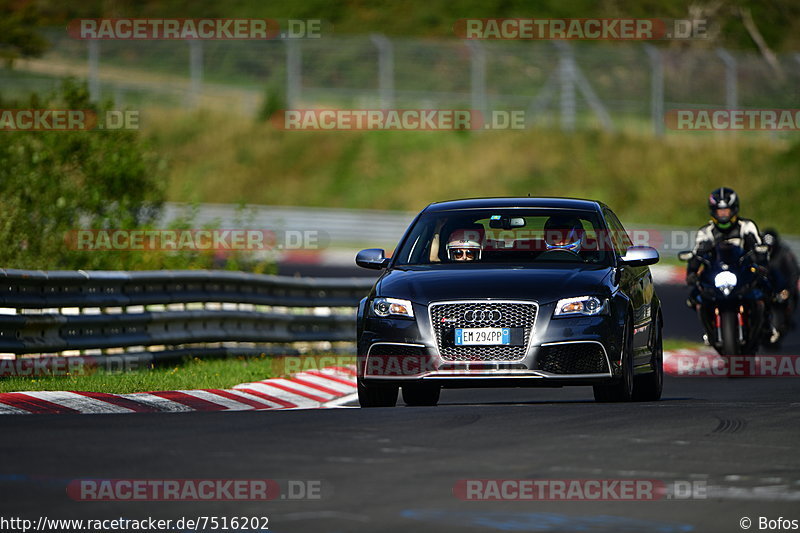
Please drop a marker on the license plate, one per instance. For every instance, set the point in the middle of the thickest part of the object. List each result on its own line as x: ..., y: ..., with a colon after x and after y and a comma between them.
x: 482, y: 336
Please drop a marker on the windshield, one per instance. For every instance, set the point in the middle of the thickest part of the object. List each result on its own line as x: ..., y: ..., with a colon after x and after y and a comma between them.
x: 507, y: 236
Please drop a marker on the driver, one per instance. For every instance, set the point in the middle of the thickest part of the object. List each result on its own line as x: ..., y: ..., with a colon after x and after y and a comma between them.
x: 465, y: 245
x: 563, y: 232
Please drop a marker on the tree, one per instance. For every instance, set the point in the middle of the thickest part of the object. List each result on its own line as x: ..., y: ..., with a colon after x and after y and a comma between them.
x: 53, y: 182
x: 18, y: 35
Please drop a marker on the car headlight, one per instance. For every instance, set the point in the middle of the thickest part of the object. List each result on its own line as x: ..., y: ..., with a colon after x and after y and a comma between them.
x: 582, y: 305
x: 384, y: 307
x: 725, y: 281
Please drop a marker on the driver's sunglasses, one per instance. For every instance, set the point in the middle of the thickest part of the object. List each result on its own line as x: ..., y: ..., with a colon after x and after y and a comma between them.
x: 464, y: 253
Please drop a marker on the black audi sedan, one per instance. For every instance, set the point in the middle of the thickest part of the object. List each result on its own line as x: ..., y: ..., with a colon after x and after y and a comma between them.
x: 510, y: 292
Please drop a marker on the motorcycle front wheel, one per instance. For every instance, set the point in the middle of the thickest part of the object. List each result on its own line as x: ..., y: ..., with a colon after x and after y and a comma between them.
x: 729, y: 323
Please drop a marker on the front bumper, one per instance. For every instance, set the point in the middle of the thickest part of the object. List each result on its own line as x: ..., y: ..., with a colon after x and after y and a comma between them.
x: 561, y: 351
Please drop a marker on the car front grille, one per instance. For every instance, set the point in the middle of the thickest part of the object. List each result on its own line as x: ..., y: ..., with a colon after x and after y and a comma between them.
x: 573, y: 358
x: 445, y: 317
x: 386, y: 349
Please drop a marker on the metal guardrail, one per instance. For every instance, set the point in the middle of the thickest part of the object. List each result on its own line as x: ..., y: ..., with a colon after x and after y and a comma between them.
x: 334, y: 227
x: 51, y: 312
x: 365, y: 228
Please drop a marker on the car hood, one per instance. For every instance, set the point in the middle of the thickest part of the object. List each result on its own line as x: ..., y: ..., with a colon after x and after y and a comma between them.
x: 540, y: 284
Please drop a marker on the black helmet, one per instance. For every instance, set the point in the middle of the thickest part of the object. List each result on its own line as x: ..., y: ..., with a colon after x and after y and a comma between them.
x: 563, y: 232
x: 771, y: 237
x: 723, y: 198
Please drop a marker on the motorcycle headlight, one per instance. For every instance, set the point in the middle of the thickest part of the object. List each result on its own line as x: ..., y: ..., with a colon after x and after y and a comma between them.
x: 582, y: 305
x: 384, y: 307
x: 725, y: 281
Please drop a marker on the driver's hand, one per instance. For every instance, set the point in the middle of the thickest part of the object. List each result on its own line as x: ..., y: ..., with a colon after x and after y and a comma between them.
x: 691, y: 278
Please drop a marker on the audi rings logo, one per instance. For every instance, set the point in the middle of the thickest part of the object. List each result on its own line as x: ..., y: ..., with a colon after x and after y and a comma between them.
x: 482, y: 315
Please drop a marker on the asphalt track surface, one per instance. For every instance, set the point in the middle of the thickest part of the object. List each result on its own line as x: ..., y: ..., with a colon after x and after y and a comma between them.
x: 395, y: 469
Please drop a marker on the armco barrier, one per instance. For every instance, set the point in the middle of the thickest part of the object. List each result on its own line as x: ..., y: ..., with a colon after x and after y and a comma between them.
x: 51, y: 312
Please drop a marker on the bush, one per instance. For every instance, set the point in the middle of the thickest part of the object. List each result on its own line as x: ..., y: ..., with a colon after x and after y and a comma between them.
x: 55, y: 182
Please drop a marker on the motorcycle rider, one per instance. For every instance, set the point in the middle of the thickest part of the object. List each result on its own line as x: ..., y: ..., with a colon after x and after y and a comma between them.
x: 725, y: 226
x: 784, y: 271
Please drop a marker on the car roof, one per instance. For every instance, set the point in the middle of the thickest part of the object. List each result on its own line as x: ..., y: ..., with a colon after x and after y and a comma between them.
x: 505, y: 202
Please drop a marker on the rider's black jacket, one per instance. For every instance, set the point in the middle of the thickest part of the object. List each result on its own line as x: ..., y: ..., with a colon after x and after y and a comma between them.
x: 742, y: 233
x: 783, y: 265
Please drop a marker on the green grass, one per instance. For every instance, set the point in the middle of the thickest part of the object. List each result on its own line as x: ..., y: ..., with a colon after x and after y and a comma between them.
x: 190, y: 374
x: 646, y: 180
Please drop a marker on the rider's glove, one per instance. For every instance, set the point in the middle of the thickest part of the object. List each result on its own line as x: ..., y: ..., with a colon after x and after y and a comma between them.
x: 691, y: 278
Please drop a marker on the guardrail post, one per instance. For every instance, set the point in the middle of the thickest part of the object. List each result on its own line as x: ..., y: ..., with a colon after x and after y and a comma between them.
x: 196, y: 71
x: 731, y: 93
x: 478, y: 78
x: 656, y: 88
x: 94, y: 61
x: 567, y: 82
x: 385, y: 69
x: 294, y: 71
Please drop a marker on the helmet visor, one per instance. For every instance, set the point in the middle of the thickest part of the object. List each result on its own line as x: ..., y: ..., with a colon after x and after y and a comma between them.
x: 562, y: 239
x: 723, y: 216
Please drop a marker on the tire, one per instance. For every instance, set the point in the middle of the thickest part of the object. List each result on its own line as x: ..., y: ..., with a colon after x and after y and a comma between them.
x: 419, y: 394
x: 730, y: 334
x: 377, y: 395
x: 623, y: 390
x: 648, y: 387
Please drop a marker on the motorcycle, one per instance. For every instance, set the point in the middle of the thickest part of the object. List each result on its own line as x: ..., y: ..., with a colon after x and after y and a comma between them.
x: 731, y: 298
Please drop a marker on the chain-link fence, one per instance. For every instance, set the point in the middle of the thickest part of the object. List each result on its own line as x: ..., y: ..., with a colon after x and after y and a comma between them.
x: 613, y: 85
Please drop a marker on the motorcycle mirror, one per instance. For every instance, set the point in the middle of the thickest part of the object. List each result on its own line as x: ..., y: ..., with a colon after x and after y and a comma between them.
x: 685, y: 255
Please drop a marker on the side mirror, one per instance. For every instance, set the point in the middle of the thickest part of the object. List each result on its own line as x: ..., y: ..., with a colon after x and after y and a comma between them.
x: 685, y: 255
x: 373, y: 258
x: 761, y: 248
x: 640, y: 256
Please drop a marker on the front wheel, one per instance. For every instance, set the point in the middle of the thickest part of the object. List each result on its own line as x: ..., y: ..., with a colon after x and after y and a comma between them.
x: 648, y: 387
x: 729, y: 323
x: 623, y: 390
x: 377, y: 395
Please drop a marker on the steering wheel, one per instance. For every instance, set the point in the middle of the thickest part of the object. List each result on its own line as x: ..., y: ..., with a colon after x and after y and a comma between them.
x: 560, y: 254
